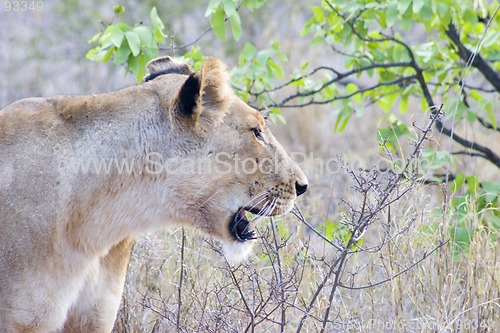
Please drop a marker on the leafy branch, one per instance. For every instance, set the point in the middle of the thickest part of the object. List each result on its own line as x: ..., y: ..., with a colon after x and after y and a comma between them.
x: 404, y: 67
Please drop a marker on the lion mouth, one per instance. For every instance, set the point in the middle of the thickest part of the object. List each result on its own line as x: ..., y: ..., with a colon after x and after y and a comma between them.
x: 241, y: 227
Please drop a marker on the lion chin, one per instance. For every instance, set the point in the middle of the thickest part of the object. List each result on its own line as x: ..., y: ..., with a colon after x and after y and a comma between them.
x: 235, y: 252
x: 82, y: 176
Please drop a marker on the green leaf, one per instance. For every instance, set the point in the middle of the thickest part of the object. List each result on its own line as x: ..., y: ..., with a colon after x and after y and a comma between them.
x: 403, y: 5
x: 217, y: 24
x: 342, y: 120
x: 115, y: 35
x: 194, y: 58
x: 249, y: 51
x: 262, y: 56
x: 145, y: 36
x: 158, y: 25
x: 94, y: 38
x: 229, y: 7
x: 403, y: 104
x: 433, y: 160
x: 318, y: 14
x: 330, y: 91
x: 155, y: 19
x: 133, y: 65
x: 107, y: 56
x: 254, y: 4
x: 426, y: 11
x: 211, y: 7
x: 470, y: 16
x: 281, y: 228
x: 392, y: 15
x: 458, y: 182
x: 137, y: 65
x: 235, y: 25
x: 387, y: 102
x: 158, y: 35
x: 150, y: 54
x: 471, y: 116
x: 276, y: 70
x: 399, y: 128
x: 100, y: 54
x: 118, y: 9
x: 123, y: 26
x: 492, y: 191
x: 351, y: 88
x: 417, y: 5
x: 472, y: 183
x: 91, y: 54
x: 443, y: 10
x: 328, y: 229
x: 476, y: 95
x: 406, y: 21
x: 459, y: 109
x: 121, y: 55
x: 134, y: 42
x: 491, y: 114
x: 276, y: 116
x: 276, y: 46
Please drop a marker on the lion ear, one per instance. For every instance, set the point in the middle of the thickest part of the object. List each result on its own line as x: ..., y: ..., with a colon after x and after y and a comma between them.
x: 166, y: 65
x: 214, y: 85
x: 204, y: 95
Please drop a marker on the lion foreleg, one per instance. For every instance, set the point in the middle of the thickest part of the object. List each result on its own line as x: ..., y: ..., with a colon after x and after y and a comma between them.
x: 97, y: 305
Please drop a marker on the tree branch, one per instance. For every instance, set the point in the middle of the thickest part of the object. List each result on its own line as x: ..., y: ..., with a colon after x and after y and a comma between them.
x: 475, y: 59
x: 488, y: 153
x: 283, y: 103
x: 467, y: 153
x: 338, y: 77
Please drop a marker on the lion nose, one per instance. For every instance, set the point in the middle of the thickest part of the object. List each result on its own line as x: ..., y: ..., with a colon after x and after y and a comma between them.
x: 300, y: 188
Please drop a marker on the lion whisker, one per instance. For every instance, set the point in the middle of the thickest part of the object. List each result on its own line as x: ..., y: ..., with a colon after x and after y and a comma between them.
x: 268, y: 208
x: 203, y: 187
x: 208, y: 199
x: 261, y: 196
x: 263, y: 210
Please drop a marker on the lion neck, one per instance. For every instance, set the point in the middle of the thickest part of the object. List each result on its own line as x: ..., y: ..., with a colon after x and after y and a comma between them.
x: 133, y: 192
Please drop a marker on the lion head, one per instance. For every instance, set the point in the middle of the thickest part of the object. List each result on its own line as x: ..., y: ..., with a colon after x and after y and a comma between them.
x: 240, y: 166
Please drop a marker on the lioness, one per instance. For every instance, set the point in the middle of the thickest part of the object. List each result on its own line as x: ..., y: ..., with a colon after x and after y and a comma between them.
x: 69, y: 208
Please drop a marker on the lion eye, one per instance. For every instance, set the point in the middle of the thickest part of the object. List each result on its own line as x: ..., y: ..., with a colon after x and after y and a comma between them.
x: 258, y: 133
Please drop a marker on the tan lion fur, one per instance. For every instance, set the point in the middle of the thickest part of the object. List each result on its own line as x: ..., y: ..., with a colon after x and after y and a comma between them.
x: 66, y: 235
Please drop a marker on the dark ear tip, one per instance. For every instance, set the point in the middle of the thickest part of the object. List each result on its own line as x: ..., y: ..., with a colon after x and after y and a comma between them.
x: 166, y: 65
x: 189, y: 94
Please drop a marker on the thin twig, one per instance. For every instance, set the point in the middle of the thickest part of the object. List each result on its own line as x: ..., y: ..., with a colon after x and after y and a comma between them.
x: 279, y: 276
x: 372, y: 285
x: 181, y: 279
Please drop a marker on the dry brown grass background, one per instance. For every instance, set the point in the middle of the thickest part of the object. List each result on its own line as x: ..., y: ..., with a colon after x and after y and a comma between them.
x: 43, y: 54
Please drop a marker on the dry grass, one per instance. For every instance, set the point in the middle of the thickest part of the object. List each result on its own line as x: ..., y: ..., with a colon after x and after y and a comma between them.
x: 442, y: 294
